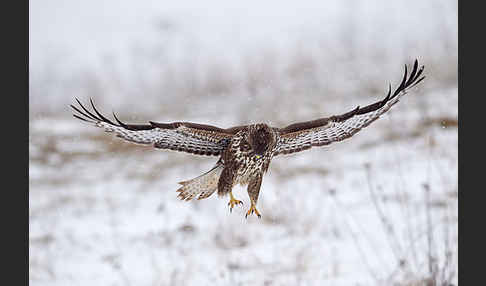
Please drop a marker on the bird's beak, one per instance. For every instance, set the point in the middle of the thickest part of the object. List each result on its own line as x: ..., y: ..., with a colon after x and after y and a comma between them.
x: 258, y: 156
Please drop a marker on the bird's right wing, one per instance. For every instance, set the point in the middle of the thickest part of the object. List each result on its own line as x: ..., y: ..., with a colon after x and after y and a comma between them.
x: 199, y: 139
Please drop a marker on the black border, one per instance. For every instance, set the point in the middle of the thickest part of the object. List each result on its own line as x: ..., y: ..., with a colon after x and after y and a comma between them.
x: 470, y: 142
x: 15, y: 119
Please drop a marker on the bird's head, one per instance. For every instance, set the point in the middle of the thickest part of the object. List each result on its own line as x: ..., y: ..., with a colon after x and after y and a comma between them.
x: 260, y: 139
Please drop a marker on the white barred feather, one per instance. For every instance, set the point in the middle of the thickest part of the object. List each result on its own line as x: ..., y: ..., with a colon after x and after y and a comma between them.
x: 179, y: 139
x: 332, y: 132
x: 202, y: 186
x: 302, y: 136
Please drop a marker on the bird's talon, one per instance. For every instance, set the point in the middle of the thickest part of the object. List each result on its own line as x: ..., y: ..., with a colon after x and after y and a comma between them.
x: 253, y: 210
x: 233, y: 202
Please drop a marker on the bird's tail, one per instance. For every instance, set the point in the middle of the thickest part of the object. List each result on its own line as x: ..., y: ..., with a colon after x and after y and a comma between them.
x: 204, y: 185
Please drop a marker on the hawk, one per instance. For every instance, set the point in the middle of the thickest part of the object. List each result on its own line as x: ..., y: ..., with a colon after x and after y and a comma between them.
x: 245, y: 152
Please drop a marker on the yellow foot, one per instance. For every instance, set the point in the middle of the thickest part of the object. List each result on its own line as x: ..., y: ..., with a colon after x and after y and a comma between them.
x: 253, y: 210
x: 233, y: 202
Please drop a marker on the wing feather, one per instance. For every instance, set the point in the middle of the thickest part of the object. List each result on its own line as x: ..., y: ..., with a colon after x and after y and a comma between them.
x: 304, y: 135
x: 187, y: 137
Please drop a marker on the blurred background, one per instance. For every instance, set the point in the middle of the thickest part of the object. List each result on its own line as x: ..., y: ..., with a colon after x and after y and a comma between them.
x: 377, y: 209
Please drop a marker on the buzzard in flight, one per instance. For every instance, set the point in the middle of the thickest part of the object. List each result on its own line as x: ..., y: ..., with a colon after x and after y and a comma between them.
x: 245, y: 152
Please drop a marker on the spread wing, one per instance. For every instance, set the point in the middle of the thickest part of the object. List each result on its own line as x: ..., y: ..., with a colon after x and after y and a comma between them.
x: 187, y: 137
x: 304, y: 135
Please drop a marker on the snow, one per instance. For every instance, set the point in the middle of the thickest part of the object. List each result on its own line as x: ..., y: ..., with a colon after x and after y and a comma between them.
x: 113, y: 217
x: 380, y: 208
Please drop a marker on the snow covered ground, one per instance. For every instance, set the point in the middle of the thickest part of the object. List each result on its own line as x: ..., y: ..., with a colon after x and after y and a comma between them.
x: 376, y: 209
x: 380, y: 208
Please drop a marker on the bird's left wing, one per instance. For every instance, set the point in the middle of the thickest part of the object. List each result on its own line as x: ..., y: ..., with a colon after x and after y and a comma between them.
x: 304, y: 135
x: 199, y: 139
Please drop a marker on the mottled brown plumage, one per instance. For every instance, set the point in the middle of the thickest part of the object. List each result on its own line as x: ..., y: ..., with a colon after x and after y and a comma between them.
x: 245, y: 151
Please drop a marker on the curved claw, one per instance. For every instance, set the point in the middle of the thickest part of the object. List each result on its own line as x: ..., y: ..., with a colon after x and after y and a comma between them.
x: 233, y: 202
x: 253, y: 210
